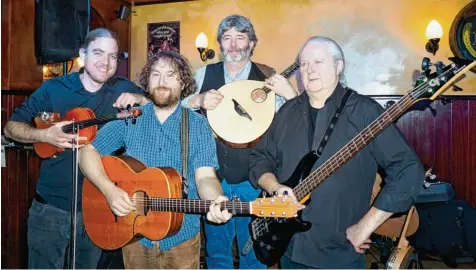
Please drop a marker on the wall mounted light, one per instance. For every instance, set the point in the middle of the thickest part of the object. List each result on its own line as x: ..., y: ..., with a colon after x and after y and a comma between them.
x: 433, y: 32
x: 202, y: 46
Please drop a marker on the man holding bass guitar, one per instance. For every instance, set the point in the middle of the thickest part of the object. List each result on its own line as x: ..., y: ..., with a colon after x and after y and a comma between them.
x: 339, y: 209
x: 155, y: 140
x: 94, y: 87
x: 237, y: 39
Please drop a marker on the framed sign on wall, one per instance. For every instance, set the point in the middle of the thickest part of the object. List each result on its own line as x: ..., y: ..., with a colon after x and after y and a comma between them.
x: 164, y: 36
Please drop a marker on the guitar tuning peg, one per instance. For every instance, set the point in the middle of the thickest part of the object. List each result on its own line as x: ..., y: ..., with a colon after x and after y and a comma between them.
x: 128, y: 107
x: 134, y: 121
x: 235, y: 199
x: 127, y: 122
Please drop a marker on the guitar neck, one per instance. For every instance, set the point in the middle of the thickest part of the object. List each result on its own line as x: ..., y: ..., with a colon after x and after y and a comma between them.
x: 194, y: 206
x: 353, y: 147
x: 89, y: 122
x: 290, y: 70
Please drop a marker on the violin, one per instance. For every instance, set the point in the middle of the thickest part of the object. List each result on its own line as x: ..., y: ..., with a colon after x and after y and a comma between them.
x: 84, y: 124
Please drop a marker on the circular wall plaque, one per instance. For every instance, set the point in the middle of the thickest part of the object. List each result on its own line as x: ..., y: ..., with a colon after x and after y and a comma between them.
x: 463, y: 33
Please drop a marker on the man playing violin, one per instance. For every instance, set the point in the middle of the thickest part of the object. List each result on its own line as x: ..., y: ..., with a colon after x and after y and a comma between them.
x: 94, y: 87
x: 155, y: 141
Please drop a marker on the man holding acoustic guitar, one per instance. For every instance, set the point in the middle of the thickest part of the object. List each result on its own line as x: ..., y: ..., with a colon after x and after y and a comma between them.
x: 339, y: 209
x: 156, y: 141
x: 237, y: 39
x: 97, y: 89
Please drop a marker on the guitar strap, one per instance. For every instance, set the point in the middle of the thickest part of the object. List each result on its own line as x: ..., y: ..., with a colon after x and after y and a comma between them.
x: 266, y: 70
x: 184, y: 146
x: 333, y: 122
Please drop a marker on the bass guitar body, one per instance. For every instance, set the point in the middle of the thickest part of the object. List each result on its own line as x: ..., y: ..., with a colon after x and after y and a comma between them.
x: 109, y: 231
x: 245, y: 112
x: 270, y: 246
x: 45, y: 150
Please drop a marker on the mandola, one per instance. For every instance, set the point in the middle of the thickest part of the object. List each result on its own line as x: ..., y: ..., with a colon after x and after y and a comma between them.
x: 245, y: 112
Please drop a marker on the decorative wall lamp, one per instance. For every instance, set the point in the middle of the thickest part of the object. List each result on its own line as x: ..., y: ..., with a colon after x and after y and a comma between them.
x: 202, y: 46
x: 433, y: 32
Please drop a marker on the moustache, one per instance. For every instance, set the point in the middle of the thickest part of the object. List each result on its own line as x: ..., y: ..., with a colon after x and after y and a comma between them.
x: 161, y: 88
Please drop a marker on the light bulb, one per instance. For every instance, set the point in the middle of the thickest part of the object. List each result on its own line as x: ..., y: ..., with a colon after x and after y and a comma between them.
x: 201, y: 41
x: 434, y: 30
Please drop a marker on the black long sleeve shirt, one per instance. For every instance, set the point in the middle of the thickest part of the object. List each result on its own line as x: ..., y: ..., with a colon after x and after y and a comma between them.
x: 344, y: 197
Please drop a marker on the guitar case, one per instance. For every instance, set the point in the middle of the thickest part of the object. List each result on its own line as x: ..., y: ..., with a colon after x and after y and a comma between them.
x: 447, y: 229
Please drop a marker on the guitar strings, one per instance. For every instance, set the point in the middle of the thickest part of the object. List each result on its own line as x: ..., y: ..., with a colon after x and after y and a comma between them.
x: 407, y: 100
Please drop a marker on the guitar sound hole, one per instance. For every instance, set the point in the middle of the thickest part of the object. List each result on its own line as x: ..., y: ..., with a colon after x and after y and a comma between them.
x: 141, y: 200
x: 258, y: 95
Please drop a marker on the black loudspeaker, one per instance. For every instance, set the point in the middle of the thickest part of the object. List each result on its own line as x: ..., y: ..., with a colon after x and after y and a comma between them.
x: 123, y: 13
x: 60, y: 28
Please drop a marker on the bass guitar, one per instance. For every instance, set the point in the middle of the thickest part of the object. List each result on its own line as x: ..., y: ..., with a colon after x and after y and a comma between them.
x: 270, y: 237
x: 157, y: 194
x: 85, y: 125
x: 245, y: 112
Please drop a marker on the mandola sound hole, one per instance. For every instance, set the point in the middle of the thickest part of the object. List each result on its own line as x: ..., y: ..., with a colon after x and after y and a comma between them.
x: 258, y: 95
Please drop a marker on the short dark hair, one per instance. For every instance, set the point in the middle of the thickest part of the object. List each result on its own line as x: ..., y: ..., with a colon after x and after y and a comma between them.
x: 98, y: 33
x: 179, y: 63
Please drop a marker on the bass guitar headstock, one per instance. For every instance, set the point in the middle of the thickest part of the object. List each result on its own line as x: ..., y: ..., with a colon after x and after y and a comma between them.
x: 434, y: 82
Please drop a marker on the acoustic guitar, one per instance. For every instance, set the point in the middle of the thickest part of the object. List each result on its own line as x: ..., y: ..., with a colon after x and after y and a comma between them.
x: 246, y: 110
x: 157, y: 193
x: 270, y: 238
x: 400, y: 257
x: 85, y: 123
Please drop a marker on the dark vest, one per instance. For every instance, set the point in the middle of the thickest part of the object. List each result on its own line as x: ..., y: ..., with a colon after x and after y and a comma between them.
x: 233, y: 161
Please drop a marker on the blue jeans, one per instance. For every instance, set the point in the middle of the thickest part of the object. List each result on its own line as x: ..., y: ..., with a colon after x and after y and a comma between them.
x: 220, y: 237
x: 48, y: 239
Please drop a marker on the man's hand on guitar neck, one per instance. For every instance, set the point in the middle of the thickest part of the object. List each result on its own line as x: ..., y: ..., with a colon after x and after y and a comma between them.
x: 281, y: 86
x: 271, y: 185
x: 215, y: 214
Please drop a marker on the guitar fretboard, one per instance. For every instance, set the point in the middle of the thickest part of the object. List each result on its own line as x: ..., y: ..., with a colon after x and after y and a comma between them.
x: 194, y: 206
x: 286, y: 74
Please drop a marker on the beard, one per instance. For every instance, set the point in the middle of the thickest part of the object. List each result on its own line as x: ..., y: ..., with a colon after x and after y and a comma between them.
x: 164, y: 101
x: 243, y: 53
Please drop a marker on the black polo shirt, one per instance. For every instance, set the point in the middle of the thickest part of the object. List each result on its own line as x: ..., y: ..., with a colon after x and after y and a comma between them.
x: 60, y: 95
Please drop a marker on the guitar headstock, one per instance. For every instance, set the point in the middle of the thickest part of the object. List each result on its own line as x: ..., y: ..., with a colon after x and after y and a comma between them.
x: 431, y: 84
x: 274, y: 207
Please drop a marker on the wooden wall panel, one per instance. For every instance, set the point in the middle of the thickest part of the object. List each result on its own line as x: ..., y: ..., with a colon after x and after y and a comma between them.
x: 471, y: 184
x: 19, y: 180
x: 5, y: 44
x: 443, y: 144
x: 25, y: 73
x: 444, y: 137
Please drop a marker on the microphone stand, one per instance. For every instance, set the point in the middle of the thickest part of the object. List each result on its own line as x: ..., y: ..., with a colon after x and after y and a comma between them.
x: 74, y: 196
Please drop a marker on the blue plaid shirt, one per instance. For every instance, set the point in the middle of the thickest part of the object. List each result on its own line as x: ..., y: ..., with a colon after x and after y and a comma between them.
x: 157, y: 144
